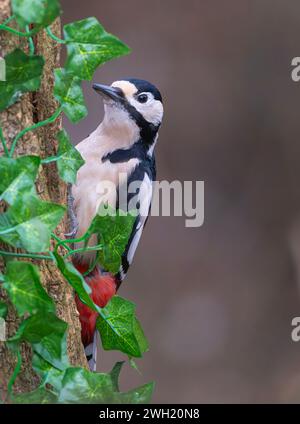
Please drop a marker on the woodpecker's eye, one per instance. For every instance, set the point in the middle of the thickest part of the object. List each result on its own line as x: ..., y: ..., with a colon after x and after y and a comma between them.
x: 142, y: 98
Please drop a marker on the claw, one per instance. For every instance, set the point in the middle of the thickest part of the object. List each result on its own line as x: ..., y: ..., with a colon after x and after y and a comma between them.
x: 72, y: 215
x: 72, y: 234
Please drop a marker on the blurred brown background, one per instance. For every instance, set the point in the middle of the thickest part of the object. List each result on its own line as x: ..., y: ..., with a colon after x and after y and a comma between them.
x: 216, y: 302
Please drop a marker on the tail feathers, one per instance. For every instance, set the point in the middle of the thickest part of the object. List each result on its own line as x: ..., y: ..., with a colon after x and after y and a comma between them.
x: 91, y: 352
x: 103, y: 288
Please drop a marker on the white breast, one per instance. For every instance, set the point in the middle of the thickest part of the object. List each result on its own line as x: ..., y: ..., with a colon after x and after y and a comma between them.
x: 93, y: 177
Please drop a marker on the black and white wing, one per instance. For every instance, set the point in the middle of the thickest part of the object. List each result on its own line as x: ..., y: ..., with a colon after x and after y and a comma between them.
x: 146, y: 174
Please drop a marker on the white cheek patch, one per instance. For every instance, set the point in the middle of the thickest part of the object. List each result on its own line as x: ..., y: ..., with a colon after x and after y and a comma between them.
x: 152, y: 110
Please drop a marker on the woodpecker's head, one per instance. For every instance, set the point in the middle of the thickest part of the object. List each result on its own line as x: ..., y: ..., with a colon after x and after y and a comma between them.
x: 133, y: 101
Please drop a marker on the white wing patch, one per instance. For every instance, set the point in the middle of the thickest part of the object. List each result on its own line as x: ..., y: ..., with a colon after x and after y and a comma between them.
x: 145, y: 196
x: 134, y: 245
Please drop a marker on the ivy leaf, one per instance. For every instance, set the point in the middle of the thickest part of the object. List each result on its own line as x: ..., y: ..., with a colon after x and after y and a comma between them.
x: 38, y: 396
x: 48, y: 373
x: 23, y: 74
x: 68, y: 91
x: 22, y: 282
x: 17, y: 175
x: 140, y: 395
x: 81, y: 386
x: 70, y: 159
x: 88, y: 46
x: 117, y: 327
x: 47, y: 334
x: 140, y: 336
x: 76, y: 280
x: 3, y: 310
x: 28, y: 223
x: 39, y: 12
x: 115, y: 373
x: 113, y: 229
x: 142, y: 342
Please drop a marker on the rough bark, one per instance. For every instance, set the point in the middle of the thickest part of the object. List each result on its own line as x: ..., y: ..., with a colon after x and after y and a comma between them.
x: 31, y: 108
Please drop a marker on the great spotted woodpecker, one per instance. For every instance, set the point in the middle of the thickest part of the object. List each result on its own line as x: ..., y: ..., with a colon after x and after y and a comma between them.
x: 120, y: 151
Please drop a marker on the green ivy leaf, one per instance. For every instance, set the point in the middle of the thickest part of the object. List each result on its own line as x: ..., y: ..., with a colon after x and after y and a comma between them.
x: 117, y: 327
x: 3, y: 310
x: 28, y: 223
x: 140, y: 336
x: 70, y: 159
x: 47, y: 334
x: 23, y: 74
x: 76, y: 280
x: 115, y: 373
x: 17, y: 175
x: 48, y: 373
x: 113, y: 229
x: 140, y: 395
x: 38, y: 396
x: 39, y: 12
x: 22, y: 282
x: 88, y: 46
x: 68, y: 91
x: 81, y: 386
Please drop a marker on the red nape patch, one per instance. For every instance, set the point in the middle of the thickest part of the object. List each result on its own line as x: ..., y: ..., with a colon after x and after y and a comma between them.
x: 103, y: 289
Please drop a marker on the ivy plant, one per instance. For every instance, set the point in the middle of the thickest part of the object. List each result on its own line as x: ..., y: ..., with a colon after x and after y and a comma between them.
x: 29, y: 222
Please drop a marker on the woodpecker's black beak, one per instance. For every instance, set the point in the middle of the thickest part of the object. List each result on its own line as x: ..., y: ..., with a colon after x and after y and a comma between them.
x: 113, y: 93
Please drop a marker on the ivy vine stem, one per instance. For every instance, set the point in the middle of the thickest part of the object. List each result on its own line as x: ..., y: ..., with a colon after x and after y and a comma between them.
x: 8, y: 20
x: 92, y: 265
x: 30, y: 42
x: 74, y: 240
x: 6, y: 151
x: 19, y: 33
x: 51, y: 159
x: 64, y: 243
x: 60, y: 242
x: 15, y: 373
x: 25, y: 255
x: 85, y: 249
x: 47, y: 121
x: 57, y: 39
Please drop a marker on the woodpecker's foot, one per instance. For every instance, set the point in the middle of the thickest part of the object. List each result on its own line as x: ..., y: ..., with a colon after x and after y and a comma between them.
x: 72, y: 234
x: 72, y: 216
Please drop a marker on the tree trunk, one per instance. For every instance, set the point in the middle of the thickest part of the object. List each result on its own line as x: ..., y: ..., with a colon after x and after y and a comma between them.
x: 31, y: 108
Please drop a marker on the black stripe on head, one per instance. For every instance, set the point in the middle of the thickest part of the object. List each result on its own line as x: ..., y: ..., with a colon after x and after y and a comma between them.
x: 144, y: 86
x: 148, y: 131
